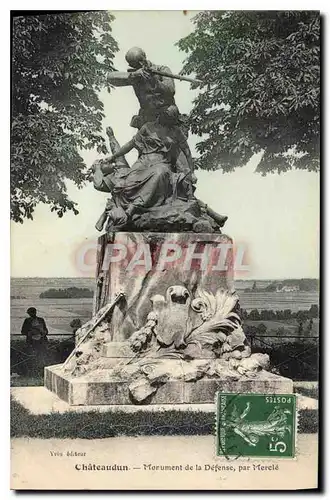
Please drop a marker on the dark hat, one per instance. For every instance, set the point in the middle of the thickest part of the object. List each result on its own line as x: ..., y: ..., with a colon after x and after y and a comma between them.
x: 32, y: 311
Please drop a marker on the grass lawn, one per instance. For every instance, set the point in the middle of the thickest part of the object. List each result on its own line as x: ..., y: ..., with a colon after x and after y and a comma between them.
x: 95, y: 425
x: 26, y: 381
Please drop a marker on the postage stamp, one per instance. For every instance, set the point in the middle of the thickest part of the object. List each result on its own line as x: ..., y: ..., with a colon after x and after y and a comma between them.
x: 255, y: 425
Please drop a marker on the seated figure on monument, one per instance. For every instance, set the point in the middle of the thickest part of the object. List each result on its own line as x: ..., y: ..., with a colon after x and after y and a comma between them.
x: 149, y: 183
x: 152, y: 188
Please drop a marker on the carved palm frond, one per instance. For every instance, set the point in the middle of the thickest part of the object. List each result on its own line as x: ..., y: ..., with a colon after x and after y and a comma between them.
x: 218, y: 313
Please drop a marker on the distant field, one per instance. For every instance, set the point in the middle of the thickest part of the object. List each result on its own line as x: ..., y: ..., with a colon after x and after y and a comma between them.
x: 291, y: 330
x: 31, y: 288
x: 58, y: 313
x: 274, y: 325
x: 278, y: 301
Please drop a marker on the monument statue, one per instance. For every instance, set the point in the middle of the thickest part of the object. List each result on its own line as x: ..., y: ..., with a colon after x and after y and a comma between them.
x: 166, y: 326
x: 158, y: 191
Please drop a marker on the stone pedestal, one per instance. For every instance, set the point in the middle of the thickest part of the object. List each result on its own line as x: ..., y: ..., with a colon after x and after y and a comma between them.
x: 166, y: 327
x: 142, y: 265
x: 100, y: 389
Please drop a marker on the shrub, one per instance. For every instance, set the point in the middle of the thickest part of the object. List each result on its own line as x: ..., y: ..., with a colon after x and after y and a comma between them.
x: 295, y: 360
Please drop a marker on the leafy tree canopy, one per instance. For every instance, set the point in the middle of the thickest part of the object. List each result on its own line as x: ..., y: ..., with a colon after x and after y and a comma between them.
x: 260, y: 90
x: 59, y: 64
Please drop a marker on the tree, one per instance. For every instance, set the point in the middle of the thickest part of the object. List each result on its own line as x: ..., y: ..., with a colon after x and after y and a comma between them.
x: 261, y: 88
x: 262, y: 329
x: 279, y: 315
x: 254, y: 315
x: 271, y: 314
x: 310, y: 326
x: 272, y: 287
x: 300, y: 327
x: 251, y: 330
x: 287, y: 314
x: 302, y: 316
x: 264, y: 315
x: 244, y: 314
x: 59, y: 64
x: 66, y: 293
x: 314, y: 311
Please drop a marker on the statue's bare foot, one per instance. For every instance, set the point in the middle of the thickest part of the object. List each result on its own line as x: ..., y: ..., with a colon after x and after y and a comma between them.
x: 109, y: 132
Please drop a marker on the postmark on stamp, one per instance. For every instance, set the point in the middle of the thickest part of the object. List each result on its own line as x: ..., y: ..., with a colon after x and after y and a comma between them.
x: 255, y: 425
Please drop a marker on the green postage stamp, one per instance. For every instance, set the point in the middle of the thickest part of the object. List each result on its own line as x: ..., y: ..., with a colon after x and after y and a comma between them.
x: 255, y: 425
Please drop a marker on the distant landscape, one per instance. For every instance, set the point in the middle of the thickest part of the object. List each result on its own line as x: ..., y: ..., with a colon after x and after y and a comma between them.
x: 282, y: 323
x: 59, y: 312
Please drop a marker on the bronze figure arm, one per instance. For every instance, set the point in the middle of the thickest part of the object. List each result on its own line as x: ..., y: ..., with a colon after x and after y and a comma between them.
x: 119, y: 79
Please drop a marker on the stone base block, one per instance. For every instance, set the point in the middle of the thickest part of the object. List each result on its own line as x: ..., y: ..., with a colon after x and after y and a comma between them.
x: 40, y: 401
x: 100, y: 389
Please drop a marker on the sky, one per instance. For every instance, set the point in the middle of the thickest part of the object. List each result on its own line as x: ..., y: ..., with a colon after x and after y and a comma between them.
x: 275, y: 218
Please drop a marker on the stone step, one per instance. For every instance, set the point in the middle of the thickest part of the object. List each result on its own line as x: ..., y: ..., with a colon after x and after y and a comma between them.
x: 39, y: 401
